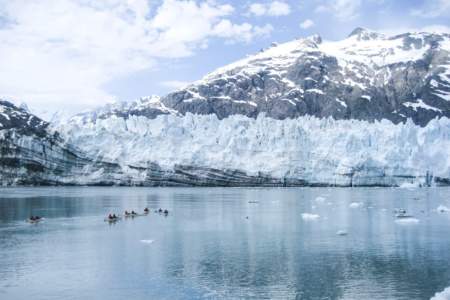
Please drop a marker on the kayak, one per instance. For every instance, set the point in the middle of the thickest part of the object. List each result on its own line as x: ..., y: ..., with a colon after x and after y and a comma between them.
x: 112, y: 220
x: 132, y: 215
x: 35, y: 221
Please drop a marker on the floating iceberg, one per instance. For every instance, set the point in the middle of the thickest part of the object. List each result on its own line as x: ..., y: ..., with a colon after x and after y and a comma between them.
x: 310, y: 217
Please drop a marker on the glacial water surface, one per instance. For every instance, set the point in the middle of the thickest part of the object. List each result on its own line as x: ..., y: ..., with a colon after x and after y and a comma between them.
x: 224, y: 243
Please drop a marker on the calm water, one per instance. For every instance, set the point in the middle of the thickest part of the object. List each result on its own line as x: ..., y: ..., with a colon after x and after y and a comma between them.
x: 207, y: 248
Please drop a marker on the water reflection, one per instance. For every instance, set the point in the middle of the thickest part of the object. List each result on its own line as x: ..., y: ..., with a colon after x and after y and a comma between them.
x: 223, y: 243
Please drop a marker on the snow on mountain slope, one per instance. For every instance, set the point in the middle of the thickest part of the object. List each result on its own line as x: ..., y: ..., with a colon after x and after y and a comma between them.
x: 314, y: 151
x: 149, y: 107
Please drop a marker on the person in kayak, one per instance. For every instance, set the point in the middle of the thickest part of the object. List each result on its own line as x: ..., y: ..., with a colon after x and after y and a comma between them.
x: 127, y: 213
x: 146, y: 210
x: 133, y: 213
x: 166, y: 212
x: 160, y: 210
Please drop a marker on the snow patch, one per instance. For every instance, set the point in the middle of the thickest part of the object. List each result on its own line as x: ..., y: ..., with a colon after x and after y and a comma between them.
x: 421, y: 104
x: 341, y: 102
x: 317, y: 91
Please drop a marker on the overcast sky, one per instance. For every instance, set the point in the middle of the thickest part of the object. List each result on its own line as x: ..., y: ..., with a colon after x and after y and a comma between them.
x: 78, y: 54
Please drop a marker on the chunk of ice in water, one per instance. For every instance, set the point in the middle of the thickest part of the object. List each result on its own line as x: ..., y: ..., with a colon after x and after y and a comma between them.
x: 310, y: 217
x: 407, y: 221
x: 355, y: 205
x: 147, y: 241
x: 320, y: 199
x: 444, y: 295
x: 443, y: 208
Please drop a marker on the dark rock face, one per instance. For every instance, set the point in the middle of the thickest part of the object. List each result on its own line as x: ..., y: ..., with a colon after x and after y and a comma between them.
x: 316, y: 80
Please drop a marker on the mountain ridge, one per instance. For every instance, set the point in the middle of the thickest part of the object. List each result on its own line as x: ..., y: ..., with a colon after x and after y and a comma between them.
x: 367, y: 76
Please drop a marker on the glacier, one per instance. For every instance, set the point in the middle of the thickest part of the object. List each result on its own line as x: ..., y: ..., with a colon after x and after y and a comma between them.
x: 301, y: 151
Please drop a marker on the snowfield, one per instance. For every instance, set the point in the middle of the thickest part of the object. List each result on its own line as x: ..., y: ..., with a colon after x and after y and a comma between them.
x: 319, y: 151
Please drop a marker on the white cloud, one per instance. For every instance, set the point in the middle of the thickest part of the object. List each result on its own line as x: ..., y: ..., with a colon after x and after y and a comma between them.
x: 306, y: 24
x: 273, y: 9
x: 62, y: 53
x: 437, y: 28
x: 240, y: 32
x: 432, y: 9
x: 174, y: 84
x: 344, y: 10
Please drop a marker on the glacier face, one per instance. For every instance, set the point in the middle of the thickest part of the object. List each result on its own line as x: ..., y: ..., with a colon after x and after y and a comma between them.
x: 304, y: 150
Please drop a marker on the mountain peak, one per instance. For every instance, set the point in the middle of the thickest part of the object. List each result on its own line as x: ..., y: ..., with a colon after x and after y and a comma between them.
x: 365, y: 34
x: 315, y: 38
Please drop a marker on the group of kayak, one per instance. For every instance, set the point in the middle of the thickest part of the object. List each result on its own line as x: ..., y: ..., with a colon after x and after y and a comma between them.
x: 110, y: 217
x: 127, y: 214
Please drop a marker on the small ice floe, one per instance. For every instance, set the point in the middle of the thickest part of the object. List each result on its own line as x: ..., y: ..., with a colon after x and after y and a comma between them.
x: 406, y: 220
x: 355, y: 205
x: 320, y: 199
x: 310, y: 217
x: 341, y: 232
x: 443, y: 209
x: 147, y: 241
x: 408, y: 185
x: 444, y: 295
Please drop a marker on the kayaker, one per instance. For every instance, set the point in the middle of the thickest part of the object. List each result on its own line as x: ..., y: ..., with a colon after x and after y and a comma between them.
x: 146, y: 210
x: 166, y: 212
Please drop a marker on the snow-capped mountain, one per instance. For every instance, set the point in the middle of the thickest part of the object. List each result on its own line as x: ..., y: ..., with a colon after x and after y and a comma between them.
x: 368, y: 110
x: 367, y: 76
